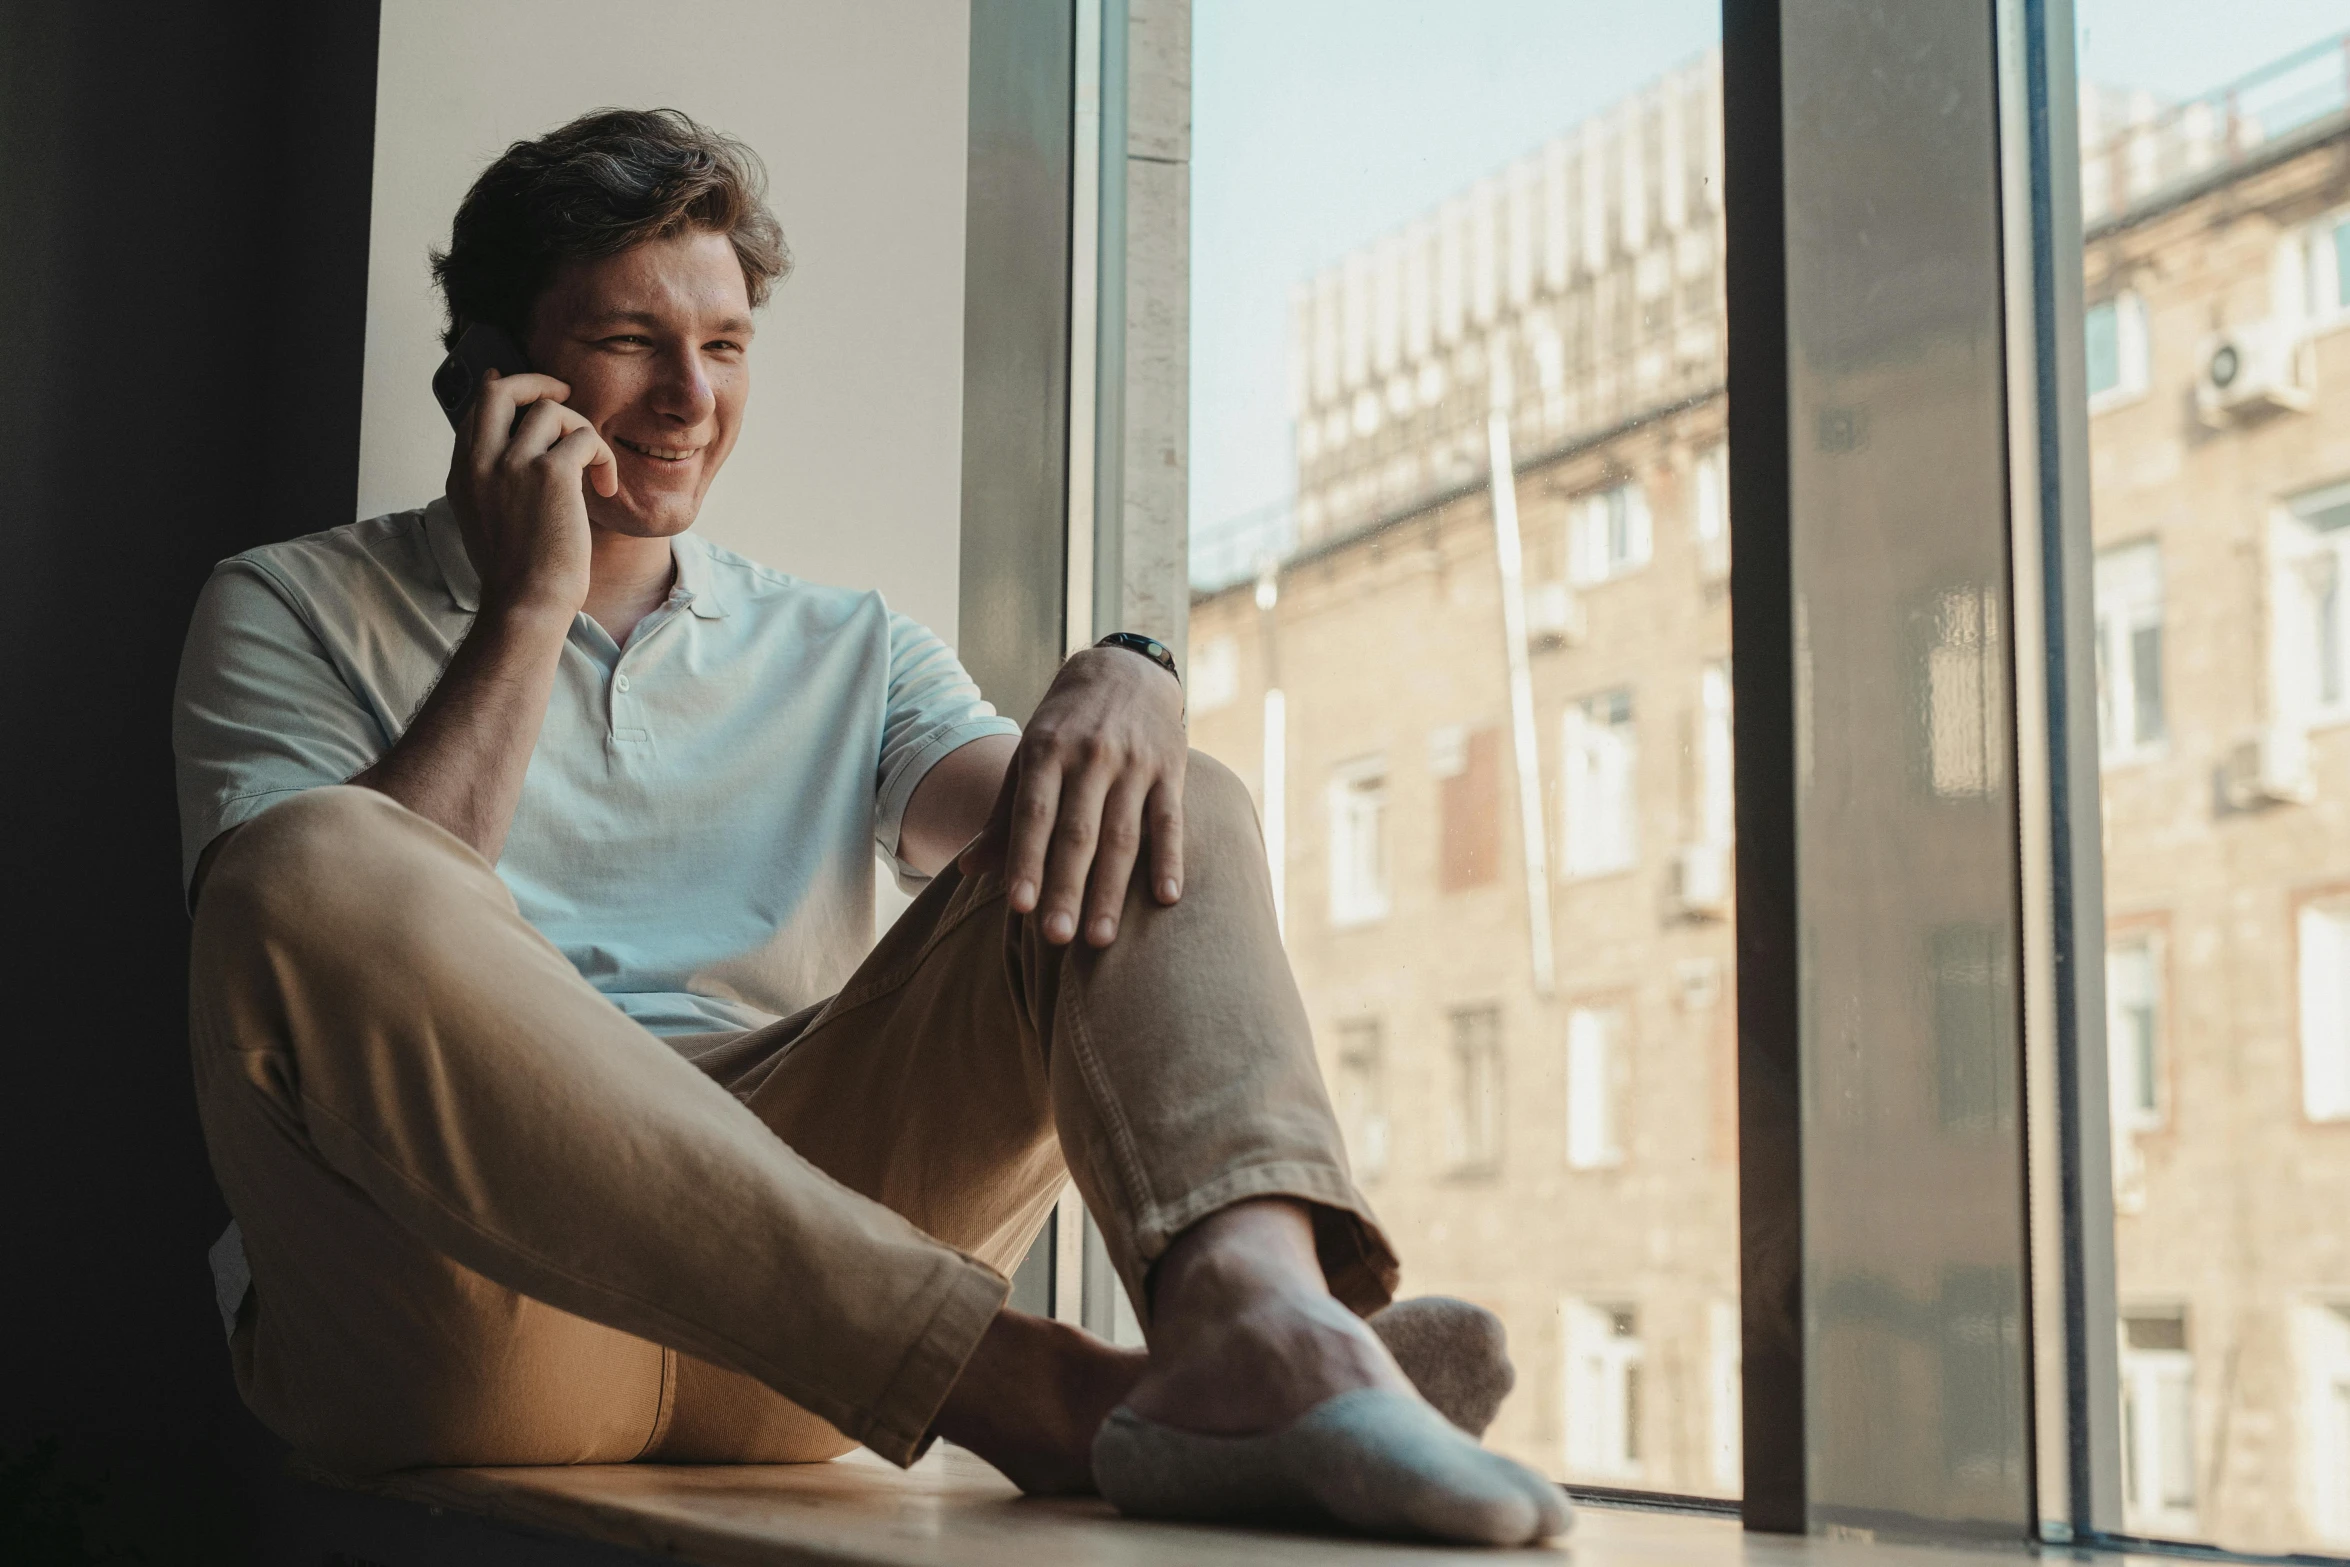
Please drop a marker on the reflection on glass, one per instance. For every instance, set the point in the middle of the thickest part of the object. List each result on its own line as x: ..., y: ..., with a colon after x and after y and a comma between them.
x: 1476, y: 667
x: 2218, y: 199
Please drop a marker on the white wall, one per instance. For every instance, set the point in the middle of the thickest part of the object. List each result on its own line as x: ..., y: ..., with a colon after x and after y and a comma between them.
x: 849, y: 468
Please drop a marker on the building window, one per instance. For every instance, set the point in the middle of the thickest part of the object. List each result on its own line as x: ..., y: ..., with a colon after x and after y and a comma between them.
x: 1472, y: 1103
x: 1607, y: 533
x: 1717, y: 798
x: 2312, y: 620
x: 2133, y: 1030
x: 1358, y: 843
x: 1467, y: 767
x: 1361, y: 1092
x: 2129, y: 652
x: 2322, y: 265
x: 2325, y: 1011
x: 1725, y: 1360
x: 2158, y: 1423
x: 1603, y: 1391
x: 2116, y: 333
x: 1960, y: 714
x: 1595, y: 1071
x: 1215, y: 674
x: 1712, y: 522
x: 2324, y: 1353
x: 1713, y: 492
x: 1602, y: 831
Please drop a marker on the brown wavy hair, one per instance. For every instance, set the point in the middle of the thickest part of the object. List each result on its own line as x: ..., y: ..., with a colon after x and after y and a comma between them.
x: 610, y: 179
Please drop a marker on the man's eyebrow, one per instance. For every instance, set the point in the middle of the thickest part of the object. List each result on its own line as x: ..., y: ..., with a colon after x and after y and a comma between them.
x: 732, y: 326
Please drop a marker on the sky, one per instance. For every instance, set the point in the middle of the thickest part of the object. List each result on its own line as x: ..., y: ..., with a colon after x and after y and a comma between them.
x: 1321, y: 124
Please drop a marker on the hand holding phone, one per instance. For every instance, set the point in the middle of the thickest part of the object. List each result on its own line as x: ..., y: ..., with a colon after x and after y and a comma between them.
x: 519, y: 474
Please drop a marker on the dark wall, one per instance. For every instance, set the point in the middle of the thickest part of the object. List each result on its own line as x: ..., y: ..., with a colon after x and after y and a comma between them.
x: 183, y: 261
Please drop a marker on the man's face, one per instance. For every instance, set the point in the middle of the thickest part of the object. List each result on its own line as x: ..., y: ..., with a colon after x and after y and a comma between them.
x: 655, y: 343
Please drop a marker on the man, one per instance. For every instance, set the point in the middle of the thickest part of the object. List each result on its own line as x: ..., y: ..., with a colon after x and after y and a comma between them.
x: 529, y: 841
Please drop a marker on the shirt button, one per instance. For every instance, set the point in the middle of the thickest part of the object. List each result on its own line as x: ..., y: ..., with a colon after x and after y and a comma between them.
x: 620, y: 683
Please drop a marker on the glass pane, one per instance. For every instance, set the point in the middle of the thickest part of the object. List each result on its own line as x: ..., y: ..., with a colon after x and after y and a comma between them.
x: 1488, y: 725
x: 2213, y: 172
x: 2102, y: 325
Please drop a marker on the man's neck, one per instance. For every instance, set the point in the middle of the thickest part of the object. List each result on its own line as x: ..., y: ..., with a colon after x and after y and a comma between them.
x: 628, y: 578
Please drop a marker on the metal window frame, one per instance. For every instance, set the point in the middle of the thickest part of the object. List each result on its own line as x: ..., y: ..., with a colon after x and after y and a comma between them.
x: 1840, y: 320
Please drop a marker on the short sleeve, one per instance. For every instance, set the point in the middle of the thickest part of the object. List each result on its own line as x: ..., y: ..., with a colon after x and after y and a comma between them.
x: 934, y: 708
x: 260, y: 712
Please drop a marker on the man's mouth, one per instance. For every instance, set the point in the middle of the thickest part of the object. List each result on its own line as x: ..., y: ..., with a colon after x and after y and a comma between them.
x: 657, y: 453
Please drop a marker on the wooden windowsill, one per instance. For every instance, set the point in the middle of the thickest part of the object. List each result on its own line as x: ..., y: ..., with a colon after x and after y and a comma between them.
x: 953, y: 1511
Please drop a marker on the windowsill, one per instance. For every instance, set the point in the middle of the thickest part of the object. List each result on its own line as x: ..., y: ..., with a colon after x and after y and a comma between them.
x: 2107, y: 401
x: 1600, y: 873
x: 1358, y: 921
x: 953, y: 1511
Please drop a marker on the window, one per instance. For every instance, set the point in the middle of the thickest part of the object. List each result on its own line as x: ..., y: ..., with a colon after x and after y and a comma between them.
x: 1595, y: 1068
x: 1360, y: 1092
x: 1472, y: 1122
x: 1725, y: 1356
x: 1711, y: 523
x: 1215, y: 674
x: 2312, y: 653
x: 2325, y: 1011
x: 2316, y: 264
x: 1717, y: 800
x: 1467, y: 767
x: 2133, y: 1030
x: 1962, y: 747
x: 2129, y: 652
x: 2158, y: 1423
x: 1358, y: 843
x: 2324, y: 1356
x: 1603, y: 1391
x: 1602, y: 826
x: 2116, y: 331
x: 1607, y: 533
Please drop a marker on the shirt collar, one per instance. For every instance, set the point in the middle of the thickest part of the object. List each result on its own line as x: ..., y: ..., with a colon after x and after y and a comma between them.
x: 695, y: 580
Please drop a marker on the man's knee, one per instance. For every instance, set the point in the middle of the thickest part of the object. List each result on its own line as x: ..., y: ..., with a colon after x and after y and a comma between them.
x: 1216, y: 803
x: 311, y: 866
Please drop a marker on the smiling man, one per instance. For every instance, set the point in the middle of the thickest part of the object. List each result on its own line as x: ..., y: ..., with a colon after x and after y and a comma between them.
x: 563, y: 1114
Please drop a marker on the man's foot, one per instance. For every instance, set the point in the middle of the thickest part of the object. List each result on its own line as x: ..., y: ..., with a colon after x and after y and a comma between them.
x: 1457, y: 1354
x: 1031, y: 1398
x: 1266, y: 1401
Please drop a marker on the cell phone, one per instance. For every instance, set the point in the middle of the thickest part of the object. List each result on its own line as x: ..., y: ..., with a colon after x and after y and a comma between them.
x: 480, y: 349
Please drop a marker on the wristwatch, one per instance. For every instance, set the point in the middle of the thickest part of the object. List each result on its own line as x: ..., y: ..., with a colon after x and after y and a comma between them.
x: 1149, y: 647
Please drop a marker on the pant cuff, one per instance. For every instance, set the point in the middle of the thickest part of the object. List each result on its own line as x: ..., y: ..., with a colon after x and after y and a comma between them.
x: 899, y: 1429
x: 1357, y: 1258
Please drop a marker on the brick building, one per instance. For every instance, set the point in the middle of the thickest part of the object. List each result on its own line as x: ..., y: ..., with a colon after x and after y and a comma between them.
x: 1492, y: 754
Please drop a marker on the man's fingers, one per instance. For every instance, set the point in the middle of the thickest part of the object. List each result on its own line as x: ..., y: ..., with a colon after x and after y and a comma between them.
x: 1120, y: 843
x: 539, y: 428
x: 499, y: 399
x: 584, y: 448
x: 1076, y: 832
x: 1036, y: 804
x: 1163, y: 818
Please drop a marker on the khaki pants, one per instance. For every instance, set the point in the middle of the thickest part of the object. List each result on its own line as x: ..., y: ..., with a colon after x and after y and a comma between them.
x: 492, y: 1221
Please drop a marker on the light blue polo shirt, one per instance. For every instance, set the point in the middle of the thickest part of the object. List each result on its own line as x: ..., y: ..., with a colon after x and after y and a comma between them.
x: 697, y: 827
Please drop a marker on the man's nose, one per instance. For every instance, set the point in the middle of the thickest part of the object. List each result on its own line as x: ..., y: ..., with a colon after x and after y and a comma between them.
x: 684, y: 391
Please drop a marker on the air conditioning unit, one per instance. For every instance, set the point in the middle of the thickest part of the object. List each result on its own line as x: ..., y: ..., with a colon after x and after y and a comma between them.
x: 2249, y: 371
x: 1554, y: 616
x: 1702, y: 879
x: 2271, y: 768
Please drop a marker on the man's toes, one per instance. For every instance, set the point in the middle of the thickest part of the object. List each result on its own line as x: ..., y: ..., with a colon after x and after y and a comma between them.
x: 1456, y: 1354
